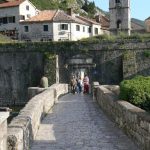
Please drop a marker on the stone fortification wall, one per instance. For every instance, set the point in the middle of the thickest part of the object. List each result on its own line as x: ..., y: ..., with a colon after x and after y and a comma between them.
x: 134, y: 121
x: 18, y: 71
x: 23, y: 64
x: 3, y: 130
x: 23, y: 128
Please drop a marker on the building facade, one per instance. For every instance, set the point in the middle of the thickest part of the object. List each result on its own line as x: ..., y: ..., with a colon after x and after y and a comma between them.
x: 56, y: 25
x: 120, y: 19
x: 147, y: 24
x: 12, y: 12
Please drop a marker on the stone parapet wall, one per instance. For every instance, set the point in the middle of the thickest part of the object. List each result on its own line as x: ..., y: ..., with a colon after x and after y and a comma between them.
x: 134, y: 121
x: 23, y: 128
x: 3, y: 130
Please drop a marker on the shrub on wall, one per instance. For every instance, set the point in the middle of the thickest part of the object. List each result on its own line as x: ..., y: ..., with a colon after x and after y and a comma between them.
x: 136, y: 91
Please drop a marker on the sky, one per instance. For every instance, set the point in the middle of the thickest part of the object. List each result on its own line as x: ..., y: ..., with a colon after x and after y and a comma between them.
x: 140, y: 9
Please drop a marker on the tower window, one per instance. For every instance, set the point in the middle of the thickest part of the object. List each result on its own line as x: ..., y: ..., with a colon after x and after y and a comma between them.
x: 119, y: 24
x: 118, y: 1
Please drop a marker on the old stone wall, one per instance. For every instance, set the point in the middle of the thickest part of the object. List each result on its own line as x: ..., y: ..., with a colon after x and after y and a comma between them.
x: 3, y: 130
x: 23, y: 64
x: 136, y: 63
x: 23, y: 128
x: 134, y: 121
x: 18, y: 71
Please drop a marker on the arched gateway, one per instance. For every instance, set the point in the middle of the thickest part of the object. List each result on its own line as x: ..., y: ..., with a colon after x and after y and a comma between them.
x: 79, y: 65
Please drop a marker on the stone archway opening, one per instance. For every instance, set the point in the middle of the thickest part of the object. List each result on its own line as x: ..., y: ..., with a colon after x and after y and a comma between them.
x: 79, y: 65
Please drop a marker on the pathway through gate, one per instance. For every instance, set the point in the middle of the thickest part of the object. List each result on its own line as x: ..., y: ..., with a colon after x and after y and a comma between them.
x: 77, y: 123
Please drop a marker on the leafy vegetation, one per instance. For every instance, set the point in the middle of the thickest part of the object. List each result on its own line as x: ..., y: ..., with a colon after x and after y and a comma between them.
x: 120, y: 37
x: 147, y: 53
x: 136, y: 91
x: 5, y: 39
x: 89, y: 7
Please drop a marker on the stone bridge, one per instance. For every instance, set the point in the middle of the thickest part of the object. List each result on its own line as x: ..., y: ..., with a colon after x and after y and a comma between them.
x: 76, y: 122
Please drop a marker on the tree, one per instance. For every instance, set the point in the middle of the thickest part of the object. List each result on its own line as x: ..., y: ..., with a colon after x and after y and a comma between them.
x: 89, y: 7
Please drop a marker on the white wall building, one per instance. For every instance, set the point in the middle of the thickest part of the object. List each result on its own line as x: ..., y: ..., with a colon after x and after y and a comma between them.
x: 56, y: 25
x: 12, y: 12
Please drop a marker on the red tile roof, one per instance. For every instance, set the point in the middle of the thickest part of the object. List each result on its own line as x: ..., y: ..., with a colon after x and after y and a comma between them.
x: 58, y: 16
x: 11, y: 3
x: 55, y: 16
x: 104, y: 21
x: 43, y: 16
x: 147, y: 18
x: 87, y: 20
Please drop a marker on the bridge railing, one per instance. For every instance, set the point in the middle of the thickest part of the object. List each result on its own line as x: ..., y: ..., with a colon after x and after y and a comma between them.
x: 133, y: 120
x: 23, y: 128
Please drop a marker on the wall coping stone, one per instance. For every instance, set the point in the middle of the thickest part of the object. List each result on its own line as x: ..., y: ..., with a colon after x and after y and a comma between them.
x: 23, y: 128
x: 3, y: 116
x: 134, y: 121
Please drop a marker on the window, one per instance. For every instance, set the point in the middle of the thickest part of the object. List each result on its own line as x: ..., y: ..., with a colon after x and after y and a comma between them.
x: 89, y: 30
x: 64, y: 26
x: 117, y: 1
x: 5, y: 21
x: 27, y: 7
x: 28, y: 16
x: 22, y: 17
x: 1, y: 20
x: 77, y: 28
x: 45, y: 27
x: 11, y: 19
x: 119, y: 24
x: 83, y: 29
x: 26, y: 29
x: 96, y: 30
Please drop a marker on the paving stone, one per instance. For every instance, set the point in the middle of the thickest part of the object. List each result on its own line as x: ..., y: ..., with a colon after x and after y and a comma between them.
x: 77, y: 123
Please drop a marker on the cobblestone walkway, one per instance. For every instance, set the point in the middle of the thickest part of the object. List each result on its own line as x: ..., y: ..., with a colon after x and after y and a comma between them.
x: 77, y: 123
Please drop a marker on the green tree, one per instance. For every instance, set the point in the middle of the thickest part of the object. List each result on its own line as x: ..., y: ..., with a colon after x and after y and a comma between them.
x: 89, y: 7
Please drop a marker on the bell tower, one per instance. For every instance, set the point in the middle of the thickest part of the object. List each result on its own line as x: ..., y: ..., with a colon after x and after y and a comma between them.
x: 120, y: 19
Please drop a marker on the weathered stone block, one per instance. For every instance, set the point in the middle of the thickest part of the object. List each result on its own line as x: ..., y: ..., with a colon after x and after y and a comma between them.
x: 134, y: 121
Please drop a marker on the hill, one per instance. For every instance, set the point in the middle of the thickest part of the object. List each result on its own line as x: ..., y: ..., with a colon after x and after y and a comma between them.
x: 83, y: 7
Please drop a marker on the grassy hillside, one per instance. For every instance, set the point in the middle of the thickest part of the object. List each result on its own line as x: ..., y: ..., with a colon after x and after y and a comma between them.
x: 46, y: 4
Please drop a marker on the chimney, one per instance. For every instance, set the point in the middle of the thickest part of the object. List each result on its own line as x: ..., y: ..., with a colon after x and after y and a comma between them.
x: 69, y: 11
x: 98, y: 18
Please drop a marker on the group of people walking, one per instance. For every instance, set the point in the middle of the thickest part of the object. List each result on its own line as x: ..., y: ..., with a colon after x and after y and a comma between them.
x: 78, y: 85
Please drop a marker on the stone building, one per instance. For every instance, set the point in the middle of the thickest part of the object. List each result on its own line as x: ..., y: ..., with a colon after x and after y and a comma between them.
x: 147, y: 24
x: 137, y: 26
x: 120, y: 19
x: 56, y: 25
x: 12, y: 12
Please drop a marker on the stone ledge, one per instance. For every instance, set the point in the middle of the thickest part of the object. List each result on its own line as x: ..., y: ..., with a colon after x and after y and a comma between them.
x: 3, y: 116
x: 23, y: 128
x: 134, y: 121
